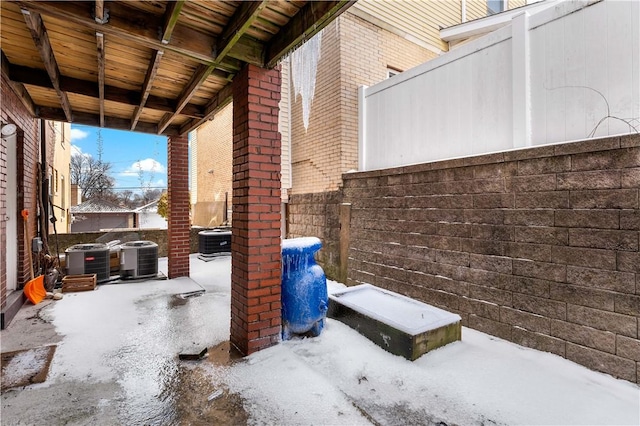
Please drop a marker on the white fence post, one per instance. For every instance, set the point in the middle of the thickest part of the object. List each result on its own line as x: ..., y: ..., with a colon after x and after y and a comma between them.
x: 521, y: 80
x: 362, y: 126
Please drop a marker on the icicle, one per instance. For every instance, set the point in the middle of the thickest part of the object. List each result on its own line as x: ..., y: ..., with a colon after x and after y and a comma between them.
x: 304, y: 64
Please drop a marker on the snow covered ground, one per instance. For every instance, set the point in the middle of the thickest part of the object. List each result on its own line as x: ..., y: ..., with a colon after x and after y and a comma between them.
x: 129, y: 334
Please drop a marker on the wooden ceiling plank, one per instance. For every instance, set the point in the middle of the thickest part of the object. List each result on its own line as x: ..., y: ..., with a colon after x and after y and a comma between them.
x: 17, y: 88
x: 154, y: 65
x: 41, y: 40
x: 184, y: 40
x: 222, y: 99
x: 100, y: 46
x: 187, y: 93
x: 39, y: 78
x: 171, y: 19
x: 312, y: 18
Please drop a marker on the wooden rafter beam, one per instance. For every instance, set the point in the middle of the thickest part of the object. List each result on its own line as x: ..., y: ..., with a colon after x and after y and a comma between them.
x: 187, y: 93
x: 100, y: 53
x: 39, y: 78
x: 100, y: 14
x: 89, y: 119
x: 17, y: 88
x: 239, y: 23
x: 137, y: 28
x: 309, y: 20
x: 171, y: 19
x: 222, y: 99
x: 41, y: 40
x: 154, y: 64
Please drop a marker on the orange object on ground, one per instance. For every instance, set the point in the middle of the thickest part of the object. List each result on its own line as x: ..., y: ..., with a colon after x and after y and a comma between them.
x: 34, y: 290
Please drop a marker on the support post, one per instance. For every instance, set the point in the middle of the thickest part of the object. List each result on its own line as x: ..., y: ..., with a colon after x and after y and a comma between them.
x: 521, y: 81
x: 255, y: 242
x: 362, y: 128
x: 178, y: 201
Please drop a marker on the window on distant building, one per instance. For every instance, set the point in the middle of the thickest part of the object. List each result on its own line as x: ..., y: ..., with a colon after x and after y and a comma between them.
x: 496, y: 6
x: 56, y: 180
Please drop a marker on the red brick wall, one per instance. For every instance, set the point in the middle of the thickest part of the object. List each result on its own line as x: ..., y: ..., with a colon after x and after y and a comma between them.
x: 178, y: 217
x: 256, y: 256
x: 536, y: 246
x: 28, y: 148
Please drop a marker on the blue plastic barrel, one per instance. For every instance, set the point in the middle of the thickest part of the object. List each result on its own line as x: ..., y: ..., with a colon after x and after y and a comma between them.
x: 304, y: 288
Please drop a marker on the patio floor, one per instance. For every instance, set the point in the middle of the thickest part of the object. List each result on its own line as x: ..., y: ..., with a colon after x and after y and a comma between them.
x: 116, y: 362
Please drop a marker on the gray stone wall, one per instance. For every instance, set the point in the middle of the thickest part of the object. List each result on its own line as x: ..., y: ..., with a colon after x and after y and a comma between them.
x: 536, y: 246
x: 317, y: 215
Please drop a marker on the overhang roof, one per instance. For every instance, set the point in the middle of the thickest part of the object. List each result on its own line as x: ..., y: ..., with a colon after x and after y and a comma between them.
x: 160, y: 67
x: 98, y: 206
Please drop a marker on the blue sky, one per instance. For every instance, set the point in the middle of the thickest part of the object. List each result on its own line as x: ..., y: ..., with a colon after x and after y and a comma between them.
x: 138, y: 160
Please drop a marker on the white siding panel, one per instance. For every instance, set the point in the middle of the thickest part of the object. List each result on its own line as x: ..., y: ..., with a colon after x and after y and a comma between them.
x: 596, y: 76
x: 555, y: 82
x: 574, y: 65
x: 620, y: 61
x: 462, y: 104
x: 538, y: 88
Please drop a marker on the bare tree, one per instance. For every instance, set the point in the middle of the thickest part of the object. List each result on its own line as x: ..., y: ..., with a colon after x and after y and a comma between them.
x: 91, y: 174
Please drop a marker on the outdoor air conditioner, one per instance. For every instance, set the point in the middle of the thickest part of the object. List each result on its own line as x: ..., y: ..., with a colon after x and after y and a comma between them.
x: 90, y: 258
x: 138, y: 259
x: 213, y: 242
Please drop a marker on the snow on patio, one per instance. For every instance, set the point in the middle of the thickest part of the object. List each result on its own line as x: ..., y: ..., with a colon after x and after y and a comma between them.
x: 130, y: 334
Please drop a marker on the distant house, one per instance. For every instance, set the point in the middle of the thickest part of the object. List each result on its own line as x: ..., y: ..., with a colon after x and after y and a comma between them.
x: 96, y: 215
x: 148, y: 217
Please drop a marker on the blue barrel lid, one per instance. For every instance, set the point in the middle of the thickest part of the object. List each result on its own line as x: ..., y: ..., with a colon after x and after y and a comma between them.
x: 300, y: 245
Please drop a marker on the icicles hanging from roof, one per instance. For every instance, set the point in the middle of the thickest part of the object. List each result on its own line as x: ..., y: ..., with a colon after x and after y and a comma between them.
x: 304, y: 64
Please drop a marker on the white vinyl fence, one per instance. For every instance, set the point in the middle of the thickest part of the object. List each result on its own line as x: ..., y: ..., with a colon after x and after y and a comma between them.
x: 568, y: 72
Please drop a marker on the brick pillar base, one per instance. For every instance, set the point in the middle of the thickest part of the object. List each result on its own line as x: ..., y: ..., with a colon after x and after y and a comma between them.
x: 256, y: 257
x: 178, y: 200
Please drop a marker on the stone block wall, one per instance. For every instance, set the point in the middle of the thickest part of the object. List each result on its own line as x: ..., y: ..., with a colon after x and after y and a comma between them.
x: 317, y: 215
x: 536, y: 246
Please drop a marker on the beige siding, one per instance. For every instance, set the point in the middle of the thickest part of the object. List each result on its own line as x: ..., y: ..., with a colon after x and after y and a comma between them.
x: 512, y: 4
x: 476, y: 9
x: 419, y: 19
x: 60, y: 179
x: 285, y: 129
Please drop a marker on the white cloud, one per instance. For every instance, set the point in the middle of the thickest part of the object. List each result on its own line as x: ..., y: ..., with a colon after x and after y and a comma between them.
x: 76, y: 150
x: 148, y: 165
x: 77, y: 134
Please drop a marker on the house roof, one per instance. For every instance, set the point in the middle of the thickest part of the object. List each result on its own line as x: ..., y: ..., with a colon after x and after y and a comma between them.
x: 98, y: 206
x: 152, y: 206
x: 490, y: 23
x: 161, y: 67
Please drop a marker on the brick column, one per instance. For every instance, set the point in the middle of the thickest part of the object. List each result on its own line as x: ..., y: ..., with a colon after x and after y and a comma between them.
x: 256, y: 257
x: 178, y: 218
